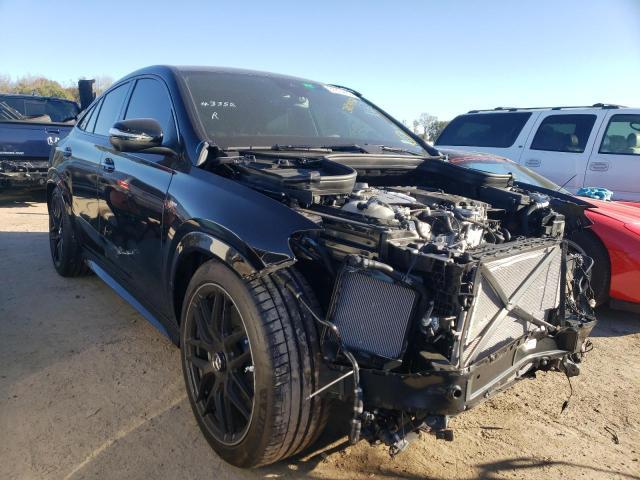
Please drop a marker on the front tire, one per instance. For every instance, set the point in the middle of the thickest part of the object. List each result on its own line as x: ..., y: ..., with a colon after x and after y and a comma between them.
x: 250, y: 360
x: 63, y: 244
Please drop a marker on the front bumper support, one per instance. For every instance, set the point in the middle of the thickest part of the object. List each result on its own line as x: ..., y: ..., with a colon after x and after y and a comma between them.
x: 451, y: 391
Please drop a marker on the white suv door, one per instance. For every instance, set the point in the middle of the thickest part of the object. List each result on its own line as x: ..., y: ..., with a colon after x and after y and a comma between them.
x: 615, y: 161
x: 560, y: 147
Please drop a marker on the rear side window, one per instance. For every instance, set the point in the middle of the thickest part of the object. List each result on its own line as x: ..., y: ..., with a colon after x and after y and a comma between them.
x: 150, y: 99
x: 94, y: 116
x: 111, y: 106
x: 564, y: 133
x: 622, y: 136
x: 85, y: 119
x: 498, y: 130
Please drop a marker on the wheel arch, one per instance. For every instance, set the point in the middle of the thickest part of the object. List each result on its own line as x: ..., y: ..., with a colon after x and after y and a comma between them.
x: 591, y: 235
x: 54, y: 180
x: 596, y: 238
x: 197, y: 247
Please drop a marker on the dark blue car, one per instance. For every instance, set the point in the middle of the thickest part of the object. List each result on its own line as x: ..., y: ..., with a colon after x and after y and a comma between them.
x: 301, y: 245
x: 29, y: 126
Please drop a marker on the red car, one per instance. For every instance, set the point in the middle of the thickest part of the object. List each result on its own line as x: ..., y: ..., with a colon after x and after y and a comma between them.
x: 613, y: 241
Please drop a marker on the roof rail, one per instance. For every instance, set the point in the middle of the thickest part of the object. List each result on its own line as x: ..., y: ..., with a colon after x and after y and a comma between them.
x: 515, y: 109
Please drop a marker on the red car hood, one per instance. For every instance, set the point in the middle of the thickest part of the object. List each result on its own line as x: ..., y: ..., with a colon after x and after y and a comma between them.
x: 630, y: 204
x: 620, y: 211
x: 616, y: 210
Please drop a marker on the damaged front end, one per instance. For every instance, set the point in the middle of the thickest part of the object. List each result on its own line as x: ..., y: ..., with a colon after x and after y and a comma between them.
x: 441, y: 286
x: 470, y: 330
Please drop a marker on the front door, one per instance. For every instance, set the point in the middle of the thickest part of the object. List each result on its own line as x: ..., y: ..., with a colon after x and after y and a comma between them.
x: 615, y: 161
x: 132, y: 190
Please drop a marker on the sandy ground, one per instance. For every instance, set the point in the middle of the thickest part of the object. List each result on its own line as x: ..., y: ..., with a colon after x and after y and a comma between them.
x: 88, y: 389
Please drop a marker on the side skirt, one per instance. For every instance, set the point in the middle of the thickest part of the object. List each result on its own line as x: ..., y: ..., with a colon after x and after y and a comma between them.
x: 130, y: 299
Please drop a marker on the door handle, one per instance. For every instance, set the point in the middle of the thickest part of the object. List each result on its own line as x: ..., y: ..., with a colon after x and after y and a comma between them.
x: 66, y: 152
x: 532, y: 162
x: 108, y: 165
x: 599, y: 166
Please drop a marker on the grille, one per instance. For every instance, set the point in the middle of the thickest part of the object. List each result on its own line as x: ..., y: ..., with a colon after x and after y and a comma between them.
x: 509, y: 290
x: 372, y: 314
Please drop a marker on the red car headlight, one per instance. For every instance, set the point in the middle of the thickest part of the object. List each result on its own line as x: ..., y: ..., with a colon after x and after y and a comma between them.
x: 633, y: 227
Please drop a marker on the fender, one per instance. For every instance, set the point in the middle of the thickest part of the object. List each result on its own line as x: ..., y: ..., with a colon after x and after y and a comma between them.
x: 623, y: 248
x: 242, y: 227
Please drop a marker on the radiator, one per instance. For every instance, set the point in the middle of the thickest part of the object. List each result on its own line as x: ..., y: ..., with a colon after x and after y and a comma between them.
x: 511, y: 293
x: 372, y: 313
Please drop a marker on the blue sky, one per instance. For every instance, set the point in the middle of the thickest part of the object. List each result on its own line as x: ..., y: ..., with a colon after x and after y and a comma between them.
x: 407, y: 56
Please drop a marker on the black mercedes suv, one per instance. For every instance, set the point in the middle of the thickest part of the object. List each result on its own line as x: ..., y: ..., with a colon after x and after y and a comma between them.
x: 301, y: 245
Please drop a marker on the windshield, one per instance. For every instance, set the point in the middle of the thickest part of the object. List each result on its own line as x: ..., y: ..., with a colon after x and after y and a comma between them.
x: 27, y: 109
x: 520, y: 173
x: 243, y: 109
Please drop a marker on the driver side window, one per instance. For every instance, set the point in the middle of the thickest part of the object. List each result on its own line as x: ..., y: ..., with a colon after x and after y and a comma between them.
x: 150, y: 99
x: 110, y: 109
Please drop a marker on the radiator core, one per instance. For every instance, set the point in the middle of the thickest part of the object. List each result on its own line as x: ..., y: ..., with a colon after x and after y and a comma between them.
x: 529, y: 282
x: 372, y: 313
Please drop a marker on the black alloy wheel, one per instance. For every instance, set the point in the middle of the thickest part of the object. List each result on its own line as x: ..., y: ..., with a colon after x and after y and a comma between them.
x: 251, y: 360
x: 66, y: 253
x: 219, y: 364
x: 56, y: 230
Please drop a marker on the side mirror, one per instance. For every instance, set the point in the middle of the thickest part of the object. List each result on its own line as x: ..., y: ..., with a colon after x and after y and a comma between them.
x: 135, y: 135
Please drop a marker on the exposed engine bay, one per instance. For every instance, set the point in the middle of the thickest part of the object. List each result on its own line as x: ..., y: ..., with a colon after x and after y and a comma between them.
x: 440, y: 285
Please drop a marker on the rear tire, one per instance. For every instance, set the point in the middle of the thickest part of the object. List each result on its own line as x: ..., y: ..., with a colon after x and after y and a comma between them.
x: 63, y: 244
x: 240, y: 338
x: 601, y: 271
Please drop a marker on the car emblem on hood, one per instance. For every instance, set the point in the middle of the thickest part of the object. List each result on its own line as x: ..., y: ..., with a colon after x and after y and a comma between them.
x: 52, y: 140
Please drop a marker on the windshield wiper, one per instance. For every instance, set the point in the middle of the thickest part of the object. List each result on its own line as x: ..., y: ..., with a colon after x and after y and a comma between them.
x: 346, y: 148
x: 333, y: 148
x: 278, y: 147
x: 385, y: 148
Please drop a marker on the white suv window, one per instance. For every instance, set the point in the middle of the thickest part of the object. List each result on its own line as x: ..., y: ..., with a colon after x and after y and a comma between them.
x: 564, y: 133
x: 622, y: 136
x: 499, y: 130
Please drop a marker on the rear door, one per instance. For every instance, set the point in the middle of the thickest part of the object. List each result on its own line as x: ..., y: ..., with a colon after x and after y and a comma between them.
x: 560, y: 147
x: 615, y: 161
x: 132, y: 189
x: 500, y: 133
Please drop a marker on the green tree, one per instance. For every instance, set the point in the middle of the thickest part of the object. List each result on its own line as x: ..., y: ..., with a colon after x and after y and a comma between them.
x: 429, y: 127
x: 437, y: 128
x: 426, y: 121
x: 41, y: 86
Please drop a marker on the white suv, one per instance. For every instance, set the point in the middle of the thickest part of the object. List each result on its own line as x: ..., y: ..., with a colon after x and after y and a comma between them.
x: 597, y: 146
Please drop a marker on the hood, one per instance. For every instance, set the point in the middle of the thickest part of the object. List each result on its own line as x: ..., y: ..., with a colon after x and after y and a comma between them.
x: 616, y: 211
